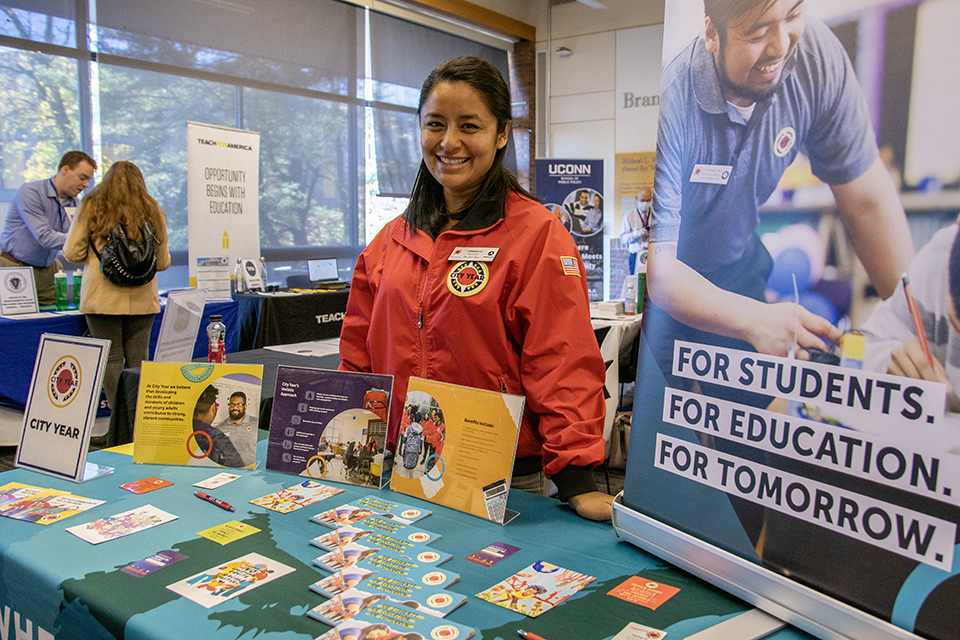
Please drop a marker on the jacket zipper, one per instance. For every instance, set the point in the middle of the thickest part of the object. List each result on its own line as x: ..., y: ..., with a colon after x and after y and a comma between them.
x: 423, y: 334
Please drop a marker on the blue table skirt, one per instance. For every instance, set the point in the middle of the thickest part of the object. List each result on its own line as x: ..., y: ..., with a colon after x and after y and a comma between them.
x: 20, y: 340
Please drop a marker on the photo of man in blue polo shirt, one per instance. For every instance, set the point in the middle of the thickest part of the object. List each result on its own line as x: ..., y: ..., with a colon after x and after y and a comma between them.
x: 762, y: 81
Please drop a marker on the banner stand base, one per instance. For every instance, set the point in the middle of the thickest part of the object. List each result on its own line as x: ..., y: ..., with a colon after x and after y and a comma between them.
x: 803, y: 607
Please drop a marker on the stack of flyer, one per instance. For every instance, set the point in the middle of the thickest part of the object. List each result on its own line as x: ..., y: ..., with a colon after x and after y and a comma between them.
x: 384, y: 576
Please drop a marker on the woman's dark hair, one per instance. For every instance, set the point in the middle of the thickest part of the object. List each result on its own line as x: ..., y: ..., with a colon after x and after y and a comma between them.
x: 427, y: 211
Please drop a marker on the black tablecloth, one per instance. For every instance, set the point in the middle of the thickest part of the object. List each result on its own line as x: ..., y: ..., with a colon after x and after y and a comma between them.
x: 124, y: 415
x: 268, y: 320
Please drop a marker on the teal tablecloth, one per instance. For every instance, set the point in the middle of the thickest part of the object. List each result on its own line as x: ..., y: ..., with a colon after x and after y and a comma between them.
x: 52, y: 582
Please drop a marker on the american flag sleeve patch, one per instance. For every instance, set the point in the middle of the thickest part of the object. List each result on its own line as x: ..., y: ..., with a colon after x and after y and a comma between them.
x: 569, y: 266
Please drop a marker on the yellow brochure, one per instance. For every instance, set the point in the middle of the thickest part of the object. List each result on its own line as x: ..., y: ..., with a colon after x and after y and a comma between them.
x: 198, y: 414
x: 228, y: 532
x: 456, y: 447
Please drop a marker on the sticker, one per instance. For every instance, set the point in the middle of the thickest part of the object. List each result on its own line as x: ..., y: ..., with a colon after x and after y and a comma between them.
x: 467, y: 278
x: 479, y: 254
x: 492, y: 554
x: 784, y: 143
x: 711, y: 173
x: 569, y: 266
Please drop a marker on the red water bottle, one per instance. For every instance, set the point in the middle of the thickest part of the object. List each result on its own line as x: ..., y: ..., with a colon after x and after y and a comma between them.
x: 217, y: 346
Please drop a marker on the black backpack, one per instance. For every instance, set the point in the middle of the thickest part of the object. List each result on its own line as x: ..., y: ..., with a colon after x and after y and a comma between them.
x: 126, y: 263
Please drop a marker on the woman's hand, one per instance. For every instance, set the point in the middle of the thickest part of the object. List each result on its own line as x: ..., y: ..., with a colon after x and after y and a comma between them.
x: 593, y: 506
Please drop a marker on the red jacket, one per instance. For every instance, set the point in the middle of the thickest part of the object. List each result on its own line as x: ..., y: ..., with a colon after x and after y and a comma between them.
x: 519, y: 324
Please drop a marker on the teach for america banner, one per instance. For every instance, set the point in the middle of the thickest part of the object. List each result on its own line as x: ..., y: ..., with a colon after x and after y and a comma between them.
x: 572, y: 190
x: 223, y: 204
x: 828, y: 468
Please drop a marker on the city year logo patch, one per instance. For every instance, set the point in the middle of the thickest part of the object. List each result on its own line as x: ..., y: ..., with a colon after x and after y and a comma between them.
x: 467, y: 278
x: 784, y: 143
x: 64, y: 381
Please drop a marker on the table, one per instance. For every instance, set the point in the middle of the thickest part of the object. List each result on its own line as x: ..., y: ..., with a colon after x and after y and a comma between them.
x: 20, y: 340
x: 59, y: 584
x: 124, y: 415
x: 281, y: 317
x: 616, y: 336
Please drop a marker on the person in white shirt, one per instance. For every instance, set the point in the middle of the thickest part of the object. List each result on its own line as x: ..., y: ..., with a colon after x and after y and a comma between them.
x: 635, y: 229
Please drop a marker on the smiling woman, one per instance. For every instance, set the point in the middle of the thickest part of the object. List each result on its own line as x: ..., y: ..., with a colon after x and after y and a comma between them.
x: 509, y: 314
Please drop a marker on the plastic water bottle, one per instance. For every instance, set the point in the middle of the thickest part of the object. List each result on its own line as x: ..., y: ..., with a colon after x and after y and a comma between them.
x: 238, y: 277
x: 60, y: 289
x: 216, y: 334
x: 263, y: 273
x: 77, y: 278
x: 630, y: 302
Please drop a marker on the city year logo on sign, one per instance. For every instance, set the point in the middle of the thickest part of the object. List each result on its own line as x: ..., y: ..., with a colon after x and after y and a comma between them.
x: 64, y: 381
x: 467, y: 278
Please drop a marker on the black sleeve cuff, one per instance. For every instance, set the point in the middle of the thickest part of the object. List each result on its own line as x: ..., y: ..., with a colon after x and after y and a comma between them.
x: 572, y: 481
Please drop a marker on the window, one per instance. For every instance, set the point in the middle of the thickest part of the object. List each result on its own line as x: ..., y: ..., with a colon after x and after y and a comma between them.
x: 338, y: 150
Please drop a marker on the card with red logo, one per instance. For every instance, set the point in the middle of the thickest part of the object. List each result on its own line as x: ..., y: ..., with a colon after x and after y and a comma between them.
x: 147, y: 484
x: 643, y: 591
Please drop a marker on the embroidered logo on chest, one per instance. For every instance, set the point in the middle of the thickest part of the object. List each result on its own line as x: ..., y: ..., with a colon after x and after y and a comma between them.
x: 785, y: 140
x: 467, y: 278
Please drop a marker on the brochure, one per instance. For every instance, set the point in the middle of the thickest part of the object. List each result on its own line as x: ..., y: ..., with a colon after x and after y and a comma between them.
x: 389, y: 571
x: 47, y: 507
x: 122, y: 524
x: 352, y: 601
x: 344, y: 557
x: 146, y: 485
x: 377, y: 531
x: 330, y: 425
x: 352, y: 553
x: 229, y: 580
x: 187, y: 414
x: 389, y: 620
x: 228, y: 532
x: 154, y: 563
x: 15, y: 491
x: 492, y: 554
x: 350, y: 513
x: 536, y: 589
x: 296, y: 497
x: 456, y: 447
x: 216, y: 481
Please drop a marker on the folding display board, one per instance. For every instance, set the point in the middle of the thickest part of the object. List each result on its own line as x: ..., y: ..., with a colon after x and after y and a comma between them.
x: 786, y: 444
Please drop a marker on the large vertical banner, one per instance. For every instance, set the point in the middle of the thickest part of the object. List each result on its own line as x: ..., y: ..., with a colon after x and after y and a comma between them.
x: 816, y: 448
x: 573, y: 191
x: 223, y: 204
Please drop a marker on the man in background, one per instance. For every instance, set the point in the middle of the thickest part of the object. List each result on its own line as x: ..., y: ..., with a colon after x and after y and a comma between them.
x: 635, y: 228
x: 39, y: 218
x: 239, y: 426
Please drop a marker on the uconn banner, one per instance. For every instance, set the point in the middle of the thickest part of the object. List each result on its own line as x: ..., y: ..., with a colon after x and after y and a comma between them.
x: 573, y: 191
x: 223, y: 203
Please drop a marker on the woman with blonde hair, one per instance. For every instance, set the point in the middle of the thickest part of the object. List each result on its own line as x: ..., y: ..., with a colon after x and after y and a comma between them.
x: 123, y: 315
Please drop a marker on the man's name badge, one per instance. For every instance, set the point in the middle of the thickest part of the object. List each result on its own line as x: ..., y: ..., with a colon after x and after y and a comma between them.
x: 476, y: 254
x: 711, y: 173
